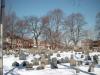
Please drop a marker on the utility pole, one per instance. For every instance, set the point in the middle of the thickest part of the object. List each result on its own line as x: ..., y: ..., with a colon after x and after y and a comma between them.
x: 2, y: 6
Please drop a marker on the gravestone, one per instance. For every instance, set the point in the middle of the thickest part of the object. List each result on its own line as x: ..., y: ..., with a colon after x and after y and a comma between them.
x: 82, y: 56
x: 77, y: 70
x: 29, y: 66
x: 53, y: 63
x: 24, y: 63
x: 62, y: 60
x: 40, y: 68
x: 16, y: 55
x: 88, y: 57
x: 58, y: 55
x: 22, y: 56
x: 87, y: 63
x: 99, y: 60
x: 72, y: 61
x: 91, y: 68
x: 15, y: 64
x: 49, y: 59
x: 46, y: 55
x: 35, y: 62
x: 66, y: 60
x: 95, y: 59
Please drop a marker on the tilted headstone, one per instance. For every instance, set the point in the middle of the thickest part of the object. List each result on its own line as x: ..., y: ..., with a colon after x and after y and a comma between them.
x: 53, y: 63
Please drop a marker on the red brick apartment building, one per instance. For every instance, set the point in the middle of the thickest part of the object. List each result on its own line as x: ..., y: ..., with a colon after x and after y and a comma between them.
x: 18, y: 42
x: 90, y: 44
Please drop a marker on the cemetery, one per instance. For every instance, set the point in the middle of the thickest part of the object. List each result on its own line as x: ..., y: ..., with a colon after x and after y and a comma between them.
x: 65, y: 62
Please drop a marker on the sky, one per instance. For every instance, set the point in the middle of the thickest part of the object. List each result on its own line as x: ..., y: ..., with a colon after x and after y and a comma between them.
x: 39, y: 8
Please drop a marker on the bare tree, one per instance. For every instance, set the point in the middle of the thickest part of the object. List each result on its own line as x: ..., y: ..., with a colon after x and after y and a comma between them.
x: 22, y: 29
x: 97, y: 26
x: 53, y: 24
x: 35, y: 27
x: 74, y: 26
x: 9, y: 25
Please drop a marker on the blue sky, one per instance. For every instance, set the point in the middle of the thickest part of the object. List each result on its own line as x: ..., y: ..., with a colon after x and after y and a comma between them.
x: 89, y: 8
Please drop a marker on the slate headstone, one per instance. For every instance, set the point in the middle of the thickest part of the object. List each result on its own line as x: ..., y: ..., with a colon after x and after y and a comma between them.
x: 53, y: 63
x: 22, y: 56
x: 95, y: 59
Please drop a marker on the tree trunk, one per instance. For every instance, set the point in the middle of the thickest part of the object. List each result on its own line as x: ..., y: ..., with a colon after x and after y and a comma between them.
x: 36, y: 39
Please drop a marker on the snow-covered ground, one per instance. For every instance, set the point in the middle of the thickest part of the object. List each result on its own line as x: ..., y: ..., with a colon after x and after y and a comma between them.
x: 62, y: 70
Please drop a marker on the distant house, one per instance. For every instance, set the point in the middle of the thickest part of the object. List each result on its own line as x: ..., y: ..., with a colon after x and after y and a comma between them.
x: 17, y: 42
x: 86, y: 44
x: 96, y: 44
x: 90, y: 44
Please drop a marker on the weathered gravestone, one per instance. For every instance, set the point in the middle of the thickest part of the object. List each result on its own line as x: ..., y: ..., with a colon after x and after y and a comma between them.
x: 35, y: 62
x: 82, y: 56
x: 15, y: 64
x: 91, y: 68
x: 53, y: 63
x: 58, y: 55
x: 99, y: 59
x: 66, y: 60
x: 24, y: 63
x: 16, y: 55
x: 62, y: 60
x: 95, y: 59
x: 29, y: 66
x: 40, y: 68
x: 49, y: 59
x: 22, y: 56
x: 88, y: 57
x: 72, y: 61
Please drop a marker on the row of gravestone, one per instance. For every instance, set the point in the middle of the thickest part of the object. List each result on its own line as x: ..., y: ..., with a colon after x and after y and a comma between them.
x: 26, y: 65
x: 95, y: 59
x: 46, y: 59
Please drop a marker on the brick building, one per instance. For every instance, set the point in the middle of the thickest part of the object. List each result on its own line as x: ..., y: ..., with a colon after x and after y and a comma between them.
x: 90, y: 44
x: 17, y: 42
